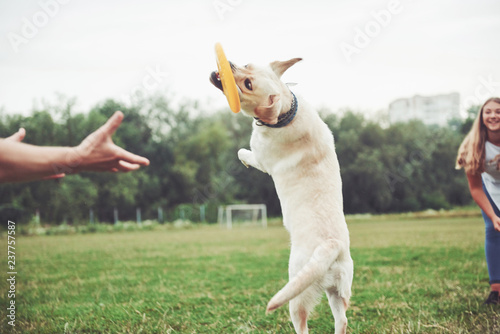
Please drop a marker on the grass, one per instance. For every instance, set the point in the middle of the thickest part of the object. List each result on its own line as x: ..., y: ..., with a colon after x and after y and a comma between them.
x: 412, y: 275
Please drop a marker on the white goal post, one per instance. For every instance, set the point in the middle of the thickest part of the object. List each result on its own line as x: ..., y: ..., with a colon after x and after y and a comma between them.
x: 227, y: 211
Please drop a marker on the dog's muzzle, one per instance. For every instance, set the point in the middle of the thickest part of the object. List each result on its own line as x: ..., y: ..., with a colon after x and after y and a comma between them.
x: 215, y: 80
x: 215, y: 77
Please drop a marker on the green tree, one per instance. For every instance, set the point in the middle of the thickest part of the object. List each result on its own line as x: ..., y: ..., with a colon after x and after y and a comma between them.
x: 71, y: 201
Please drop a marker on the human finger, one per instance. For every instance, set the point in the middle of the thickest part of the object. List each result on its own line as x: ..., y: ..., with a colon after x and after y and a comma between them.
x: 18, y: 136
x: 104, y: 132
x: 113, y: 123
x: 21, y: 134
x: 131, y: 157
x: 56, y: 176
x: 124, y: 166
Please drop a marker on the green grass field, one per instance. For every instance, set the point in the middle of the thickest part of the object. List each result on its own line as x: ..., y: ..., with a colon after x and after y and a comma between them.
x: 411, y: 276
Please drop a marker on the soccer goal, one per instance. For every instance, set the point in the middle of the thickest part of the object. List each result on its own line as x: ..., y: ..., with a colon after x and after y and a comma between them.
x: 247, y: 213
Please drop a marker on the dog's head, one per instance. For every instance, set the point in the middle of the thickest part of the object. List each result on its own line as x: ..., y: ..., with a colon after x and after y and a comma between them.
x: 262, y: 93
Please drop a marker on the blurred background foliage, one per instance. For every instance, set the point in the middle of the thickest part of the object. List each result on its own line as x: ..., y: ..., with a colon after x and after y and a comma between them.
x: 193, y: 153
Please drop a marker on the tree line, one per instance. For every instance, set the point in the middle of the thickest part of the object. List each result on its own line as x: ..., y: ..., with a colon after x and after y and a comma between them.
x: 193, y: 154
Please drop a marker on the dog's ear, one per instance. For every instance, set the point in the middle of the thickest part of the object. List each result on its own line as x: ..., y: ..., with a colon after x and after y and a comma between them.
x: 269, y: 113
x: 279, y: 67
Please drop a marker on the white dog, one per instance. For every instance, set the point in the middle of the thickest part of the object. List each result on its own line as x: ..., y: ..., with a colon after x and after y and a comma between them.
x: 291, y: 143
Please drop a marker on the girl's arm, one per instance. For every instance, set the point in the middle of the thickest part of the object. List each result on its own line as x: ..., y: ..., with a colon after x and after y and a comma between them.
x: 477, y: 192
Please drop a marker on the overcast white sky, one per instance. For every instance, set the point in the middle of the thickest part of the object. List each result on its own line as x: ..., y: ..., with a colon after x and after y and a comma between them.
x: 93, y: 50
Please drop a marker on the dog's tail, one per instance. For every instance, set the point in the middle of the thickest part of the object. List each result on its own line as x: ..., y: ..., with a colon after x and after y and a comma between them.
x: 317, y: 266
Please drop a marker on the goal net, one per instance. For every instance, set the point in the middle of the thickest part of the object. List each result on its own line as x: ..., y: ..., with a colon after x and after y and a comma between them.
x: 242, y: 213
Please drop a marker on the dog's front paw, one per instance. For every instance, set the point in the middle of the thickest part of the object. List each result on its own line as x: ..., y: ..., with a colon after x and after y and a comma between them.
x: 245, y: 156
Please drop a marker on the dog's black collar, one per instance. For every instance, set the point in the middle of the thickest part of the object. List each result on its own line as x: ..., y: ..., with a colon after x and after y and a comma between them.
x: 283, y: 119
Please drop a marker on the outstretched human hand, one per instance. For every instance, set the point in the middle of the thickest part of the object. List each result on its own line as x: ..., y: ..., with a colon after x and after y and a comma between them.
x: 97, y: 152
x: 20, y: 162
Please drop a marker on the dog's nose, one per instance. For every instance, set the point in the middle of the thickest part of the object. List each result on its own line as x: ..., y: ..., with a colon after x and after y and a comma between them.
x: 233, y: 67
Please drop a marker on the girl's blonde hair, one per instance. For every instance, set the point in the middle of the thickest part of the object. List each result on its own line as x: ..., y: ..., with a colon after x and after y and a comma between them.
x: 471, y: 152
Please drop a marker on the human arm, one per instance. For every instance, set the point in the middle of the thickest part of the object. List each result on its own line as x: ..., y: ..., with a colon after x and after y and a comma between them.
x: 477, y: 193
x: 24, y: 162
x: 18, y: 137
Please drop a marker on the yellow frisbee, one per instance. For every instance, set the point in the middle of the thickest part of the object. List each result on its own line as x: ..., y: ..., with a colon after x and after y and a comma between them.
x: 227, y: 79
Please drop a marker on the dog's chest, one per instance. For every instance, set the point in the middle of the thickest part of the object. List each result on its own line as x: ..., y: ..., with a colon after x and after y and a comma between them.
x: 275, y: 154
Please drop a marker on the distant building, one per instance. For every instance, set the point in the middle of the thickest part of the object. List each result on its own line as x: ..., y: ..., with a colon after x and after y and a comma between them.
x: 437, y: 109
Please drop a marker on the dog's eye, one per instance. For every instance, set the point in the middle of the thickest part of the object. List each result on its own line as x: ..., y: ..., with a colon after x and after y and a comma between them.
x: 248, y: 84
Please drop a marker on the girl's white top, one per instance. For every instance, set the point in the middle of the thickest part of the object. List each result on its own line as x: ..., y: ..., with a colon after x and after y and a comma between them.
x: 491, y: 175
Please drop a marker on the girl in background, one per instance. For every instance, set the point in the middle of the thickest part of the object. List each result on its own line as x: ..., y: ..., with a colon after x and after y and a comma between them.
x: 479, y: 155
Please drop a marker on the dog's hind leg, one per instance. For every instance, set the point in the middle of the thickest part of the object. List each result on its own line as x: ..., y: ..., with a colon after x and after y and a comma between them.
x: 302, y: 306
x: 317, y: 266
x: 299, y: 315
x: 339, y: 306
